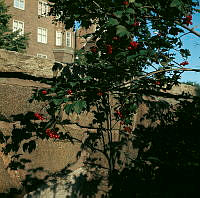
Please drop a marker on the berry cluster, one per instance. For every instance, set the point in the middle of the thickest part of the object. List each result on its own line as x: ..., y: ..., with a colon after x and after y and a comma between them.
x: 52, y: 134
x: 109, y: 49
x: 127, y: 129
x: 187, y: 20
x: 133, y: 44
x: 119, y: 113
x: 184, y: 63
x: 38, y: 116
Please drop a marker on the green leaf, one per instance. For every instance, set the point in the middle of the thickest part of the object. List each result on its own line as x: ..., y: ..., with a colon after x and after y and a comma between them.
x: 143, y: 52
x: 130, y: 11
x: 69, y: 108
x: 118, y: 14
x: 130, y: 58
x: 57, y: 101
x: 79, y: 106
x: 133, y: 107
x: 113, y: 22
x: 127, y: 121
x: 73, y: 83
x: 138, y: 5
x: 185, y: 53
x: 122, y: 31
x: 131, y: 1
x: 175, y: 3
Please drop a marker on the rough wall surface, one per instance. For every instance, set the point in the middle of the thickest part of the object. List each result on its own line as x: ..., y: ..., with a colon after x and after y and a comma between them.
x: 14, y: 94
x: 31, y: 65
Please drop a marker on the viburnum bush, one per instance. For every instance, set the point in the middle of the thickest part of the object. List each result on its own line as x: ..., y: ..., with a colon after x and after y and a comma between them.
x: 133, y: 58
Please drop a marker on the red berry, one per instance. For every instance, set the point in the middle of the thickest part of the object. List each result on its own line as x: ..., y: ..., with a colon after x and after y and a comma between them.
x: 127, y: 129
x: 38, y: 116
x: 125, y: 2
x: 48, y: 131
x: 122, y: 122
x: 134, y: 44
x: 93, y: 49
x: 187, y: 20
x: 136, y: 23
x: 157, y: 82
x: 189, y: 17
x: 109, y: 49
x: 119, y: 114
x: 44, y: 92
x: 115, y: 38
x: 69, y: 91
x: 130, y: 48
x: 100, y: 94
x: 184, y: 63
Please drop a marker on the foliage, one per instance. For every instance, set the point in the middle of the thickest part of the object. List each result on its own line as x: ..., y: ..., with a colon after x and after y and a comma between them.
x: 10, y: 40
x: 110, y: 82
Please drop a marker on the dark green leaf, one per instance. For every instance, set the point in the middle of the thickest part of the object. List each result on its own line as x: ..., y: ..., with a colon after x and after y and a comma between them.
x: 175, y: 3
x: 113, y: 22
x: 118, y: 14
x: 69, y: 108
x: 57, y: 101
x: 79, y: 106
x: 122, y: 31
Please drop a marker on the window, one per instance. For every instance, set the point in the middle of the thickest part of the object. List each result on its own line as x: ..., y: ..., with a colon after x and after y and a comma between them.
x: 42, y: 8
x: 68, y: 39
x: 42, y: 35
x: 18, y: 26
x: 19, y: 4
x: 41, y: 55
x: 58, y: 38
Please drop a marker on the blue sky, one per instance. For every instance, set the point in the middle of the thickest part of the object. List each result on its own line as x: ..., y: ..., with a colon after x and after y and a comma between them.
x: 192, y: 42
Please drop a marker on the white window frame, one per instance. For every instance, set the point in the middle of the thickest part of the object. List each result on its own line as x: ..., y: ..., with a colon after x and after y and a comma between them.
x: 41, y: 55
x: 68, y: 39
x: 20, y: 4
x: 42, y: 8
x: 17, y: 27
x: 58, y: 38
x: 42, y: 35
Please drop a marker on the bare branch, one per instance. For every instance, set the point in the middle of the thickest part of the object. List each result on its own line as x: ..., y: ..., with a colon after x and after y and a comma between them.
x: 156, y: 72
x: 191, y: 30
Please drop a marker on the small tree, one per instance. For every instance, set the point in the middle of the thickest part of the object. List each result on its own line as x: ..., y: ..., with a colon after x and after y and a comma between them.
x: 10, y: 40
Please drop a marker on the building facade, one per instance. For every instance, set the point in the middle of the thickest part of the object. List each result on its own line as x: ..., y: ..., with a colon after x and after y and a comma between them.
x: 46, y: 40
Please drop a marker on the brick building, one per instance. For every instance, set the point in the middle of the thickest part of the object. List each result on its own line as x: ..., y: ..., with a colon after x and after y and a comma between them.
x: 47, y: 40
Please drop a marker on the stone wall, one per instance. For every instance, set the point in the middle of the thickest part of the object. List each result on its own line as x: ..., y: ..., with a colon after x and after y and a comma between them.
x: 18, y: 76
x: 16, y: 62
